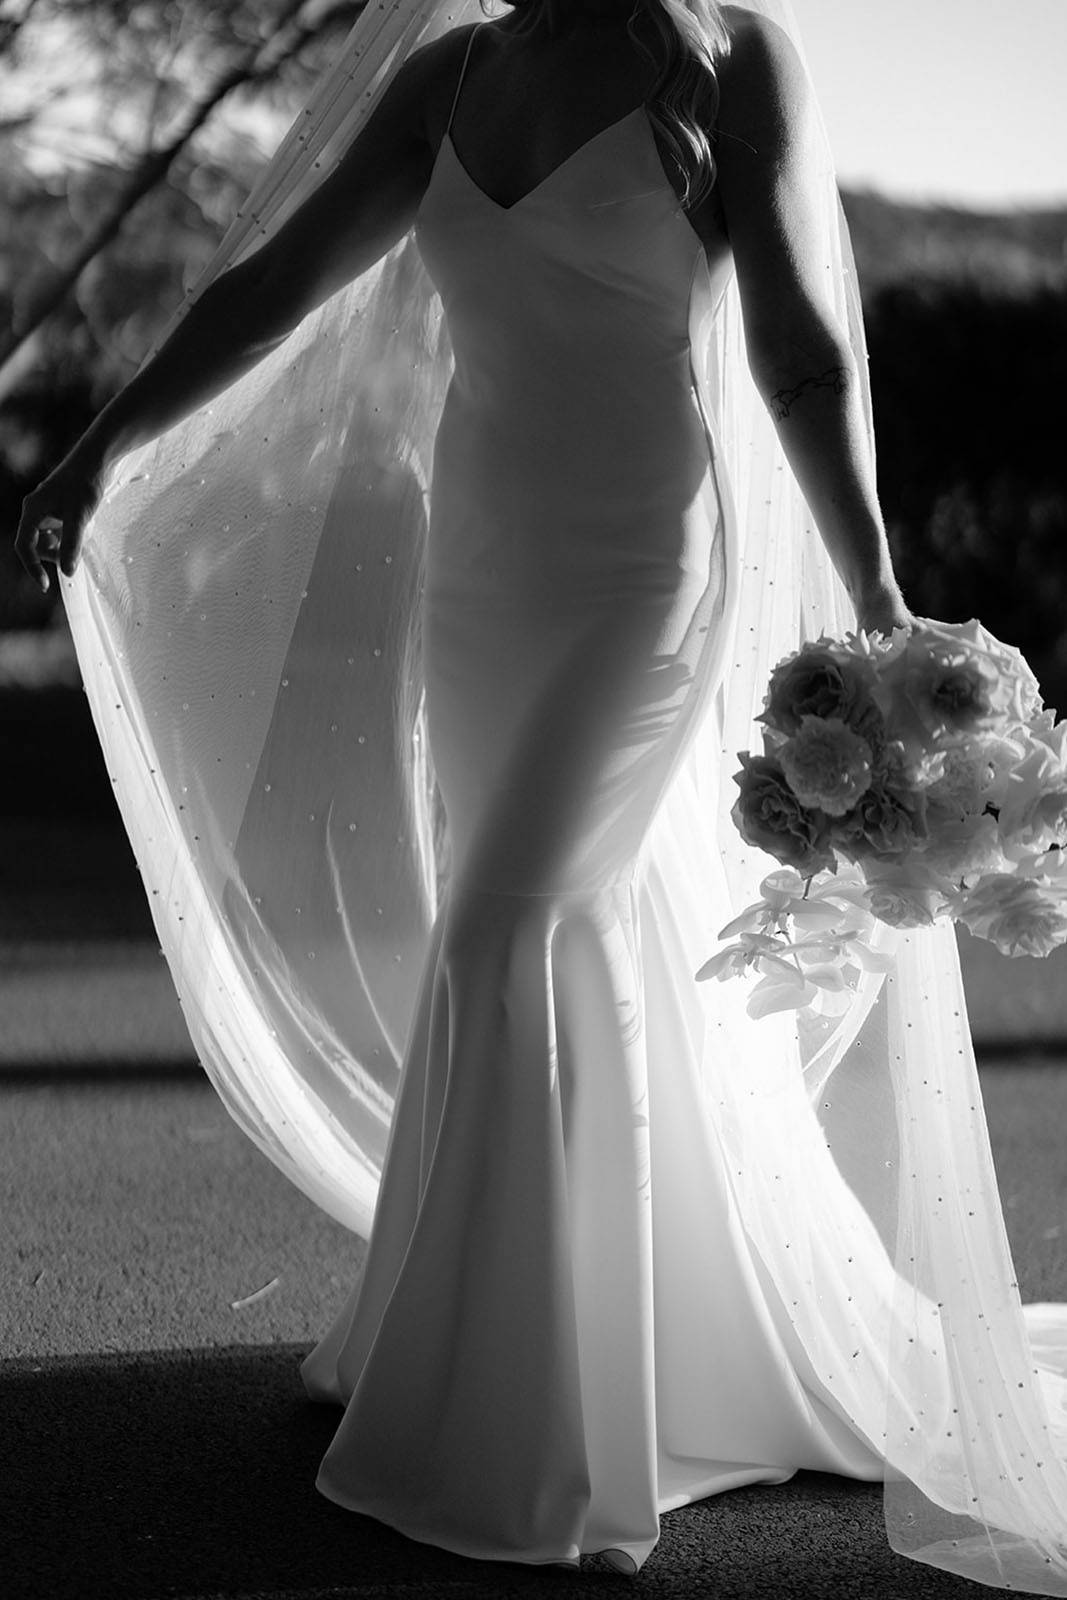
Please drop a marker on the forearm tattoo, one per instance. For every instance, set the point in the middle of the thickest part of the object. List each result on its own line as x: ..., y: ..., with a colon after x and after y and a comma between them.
x: 834, y: 378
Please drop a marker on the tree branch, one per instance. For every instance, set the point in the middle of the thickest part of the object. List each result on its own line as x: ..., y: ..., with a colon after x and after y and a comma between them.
x: 258, y: 67
x: 11, y: 26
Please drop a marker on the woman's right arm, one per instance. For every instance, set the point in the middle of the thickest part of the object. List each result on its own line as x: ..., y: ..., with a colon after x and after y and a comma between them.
x: 347, y: 224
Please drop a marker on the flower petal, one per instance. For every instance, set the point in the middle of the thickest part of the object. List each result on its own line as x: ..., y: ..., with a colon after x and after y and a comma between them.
x: 779, y: 997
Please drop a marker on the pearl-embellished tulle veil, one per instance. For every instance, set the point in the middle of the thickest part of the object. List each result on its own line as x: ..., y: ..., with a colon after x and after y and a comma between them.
x: 246, y: 619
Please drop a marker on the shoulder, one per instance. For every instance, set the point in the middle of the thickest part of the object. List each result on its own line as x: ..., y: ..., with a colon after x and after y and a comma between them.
x: 762, y: 68
x: 436, y: 66
x: 414, y: 105
x: 428, y: 78
x: 765, y: 98
x: 756, y: 43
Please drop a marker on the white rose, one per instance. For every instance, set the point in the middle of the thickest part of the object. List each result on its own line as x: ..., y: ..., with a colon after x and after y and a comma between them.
x: 960, y: 849
x: 953, y: 680
x: 970, y: 775
x: 905, y: 895
x: 1020, y: 918
x: 1032, y: 810
x: 1000, y: 757
x: 1016, y: 693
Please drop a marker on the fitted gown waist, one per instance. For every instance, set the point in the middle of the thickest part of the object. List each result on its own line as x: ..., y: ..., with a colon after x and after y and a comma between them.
x: 566, y: 479
x: 526, y: 493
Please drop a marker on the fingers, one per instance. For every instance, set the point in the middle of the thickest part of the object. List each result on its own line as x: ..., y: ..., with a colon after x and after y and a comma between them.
x: 70, y: 544
x: 26, y: 538
x: 39, y: 537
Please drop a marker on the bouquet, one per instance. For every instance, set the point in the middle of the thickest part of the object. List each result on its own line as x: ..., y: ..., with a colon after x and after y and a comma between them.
x: 904, y: 779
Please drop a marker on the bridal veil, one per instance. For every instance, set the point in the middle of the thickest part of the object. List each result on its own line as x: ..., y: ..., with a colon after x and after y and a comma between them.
x: 246, y: 615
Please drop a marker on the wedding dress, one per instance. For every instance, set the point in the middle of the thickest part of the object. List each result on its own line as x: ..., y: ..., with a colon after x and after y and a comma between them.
x: 421, y: 659
x: 525, y: 1361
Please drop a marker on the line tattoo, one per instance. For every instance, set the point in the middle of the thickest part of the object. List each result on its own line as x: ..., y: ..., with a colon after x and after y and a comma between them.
x: 834, y: 378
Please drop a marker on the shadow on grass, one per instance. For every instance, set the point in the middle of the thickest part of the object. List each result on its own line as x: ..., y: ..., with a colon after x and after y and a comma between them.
x: 190, y: 1474
x: 1021, y: 1053
x: 105, y: 1071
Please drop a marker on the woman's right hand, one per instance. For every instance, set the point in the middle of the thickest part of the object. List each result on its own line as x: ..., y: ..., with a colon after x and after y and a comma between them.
x: 882, y: 611
x: 54, y: 516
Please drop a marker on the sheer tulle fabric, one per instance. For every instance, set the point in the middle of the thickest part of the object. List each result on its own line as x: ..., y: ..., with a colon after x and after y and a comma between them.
x: 246, y: 616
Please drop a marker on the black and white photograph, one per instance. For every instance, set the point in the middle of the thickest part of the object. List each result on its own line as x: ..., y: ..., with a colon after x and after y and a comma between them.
x: 533, y: 842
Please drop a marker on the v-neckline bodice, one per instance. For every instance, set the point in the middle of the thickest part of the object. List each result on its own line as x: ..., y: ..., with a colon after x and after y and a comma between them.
x: 542, y: 183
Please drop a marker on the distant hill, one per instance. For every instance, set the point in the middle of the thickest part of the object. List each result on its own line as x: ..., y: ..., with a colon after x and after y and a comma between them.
x: 966, y: 322
x: 1007, y: 252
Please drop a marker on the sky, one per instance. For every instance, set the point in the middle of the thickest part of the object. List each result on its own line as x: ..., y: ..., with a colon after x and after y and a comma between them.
x: 959, y: 100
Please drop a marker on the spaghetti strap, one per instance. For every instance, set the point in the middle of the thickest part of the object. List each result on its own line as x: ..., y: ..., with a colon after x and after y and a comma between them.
x: 462, y: 75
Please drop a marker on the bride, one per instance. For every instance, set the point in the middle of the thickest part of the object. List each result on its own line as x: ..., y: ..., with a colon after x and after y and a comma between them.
x: 425, y: 584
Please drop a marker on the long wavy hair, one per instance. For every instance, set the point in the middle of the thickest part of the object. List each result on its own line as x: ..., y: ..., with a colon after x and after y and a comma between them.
x: 684, y: 99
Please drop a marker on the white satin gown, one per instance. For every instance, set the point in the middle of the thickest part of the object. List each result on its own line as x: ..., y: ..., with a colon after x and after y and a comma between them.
x: 562, y: 1329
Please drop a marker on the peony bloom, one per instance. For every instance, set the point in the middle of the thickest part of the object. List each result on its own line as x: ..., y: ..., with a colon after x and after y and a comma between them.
x: 822, y: 679
x: 768, y: 815
x: 903, y: 781
x: 826, y: 764
x: 1019, y: 917
x: 889, y: 819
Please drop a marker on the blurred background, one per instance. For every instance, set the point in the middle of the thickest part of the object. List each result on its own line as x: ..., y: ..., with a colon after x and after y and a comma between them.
x: 129, y: 133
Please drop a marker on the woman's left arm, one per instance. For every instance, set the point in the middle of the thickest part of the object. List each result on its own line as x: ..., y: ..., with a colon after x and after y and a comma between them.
x: 799, y: 355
